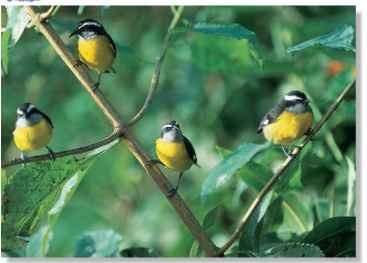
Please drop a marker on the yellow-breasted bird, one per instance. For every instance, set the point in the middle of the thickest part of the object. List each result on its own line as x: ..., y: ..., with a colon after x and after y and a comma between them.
x: 95, y: 46
x: 174, y: 151
x: 33, y: 129
x: 288, y: 121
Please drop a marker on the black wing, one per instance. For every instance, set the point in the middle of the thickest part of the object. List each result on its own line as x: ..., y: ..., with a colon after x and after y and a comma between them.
x: 271, y: 116
x: 113, y: 46
x: 190, y: 150
x: 45, y: 116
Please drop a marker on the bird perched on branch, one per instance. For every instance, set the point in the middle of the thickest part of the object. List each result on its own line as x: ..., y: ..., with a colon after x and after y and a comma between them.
x: 96, y: 47
x: 174, y: 151
x: 33, y: 129
x: 288, y: 121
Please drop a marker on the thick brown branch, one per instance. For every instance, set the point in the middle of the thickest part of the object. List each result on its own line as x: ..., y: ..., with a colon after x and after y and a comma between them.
x: 269, y: 185
x: 159, y: 178
x: 157, y: 69
x: 74, y: 151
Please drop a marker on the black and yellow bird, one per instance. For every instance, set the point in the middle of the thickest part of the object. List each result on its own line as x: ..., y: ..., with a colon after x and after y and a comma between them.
x: 288, y: 121
x: 33, y: 129
x: 95, y: 46
x: 175, y: 151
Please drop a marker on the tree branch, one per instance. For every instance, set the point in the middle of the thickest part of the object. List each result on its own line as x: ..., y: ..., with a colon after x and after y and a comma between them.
x: 269, y: 185
x: 159, y: 178
x: 115, y: 135
x: 157, y: 70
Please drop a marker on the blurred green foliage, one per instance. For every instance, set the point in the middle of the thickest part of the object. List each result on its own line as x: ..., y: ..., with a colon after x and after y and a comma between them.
x: 218, y: 88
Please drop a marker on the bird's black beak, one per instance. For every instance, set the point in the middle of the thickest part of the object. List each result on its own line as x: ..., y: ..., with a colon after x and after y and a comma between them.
x: 75, y: 32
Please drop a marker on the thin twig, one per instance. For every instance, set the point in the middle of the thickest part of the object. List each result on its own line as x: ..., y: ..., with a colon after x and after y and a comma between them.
x: 268, y: 186
x: 42, y: 157
x: 48, y: 13
x: 159, y: 178
x: 157, y: 69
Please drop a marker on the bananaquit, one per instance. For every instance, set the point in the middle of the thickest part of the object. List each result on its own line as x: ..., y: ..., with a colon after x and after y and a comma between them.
x: 95, y: 46
x: 174, y: 151
x: 33, y: 129
x: 288, y: 121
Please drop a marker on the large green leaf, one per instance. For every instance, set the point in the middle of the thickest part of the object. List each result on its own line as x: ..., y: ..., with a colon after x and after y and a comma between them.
x: 17, y: 22
x: 295, y: 250
x: 225, y: 170
x: 335, y: 236
x: 341, y: 38
x: 99, y: 243
x: 249, y: 240
x: 35, y: 195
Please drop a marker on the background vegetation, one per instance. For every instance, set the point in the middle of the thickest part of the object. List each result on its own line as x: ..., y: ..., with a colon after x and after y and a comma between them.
x: 218, y: 88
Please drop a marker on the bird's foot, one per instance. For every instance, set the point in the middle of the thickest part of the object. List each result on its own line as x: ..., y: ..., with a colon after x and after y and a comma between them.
x: 51, y: 153
x: 96, y: 86
x: 287, y: 151
x: 155, y: 162
x: 172, y: 192
x: 78, y: 63
x: 308, y: 132
x: 24, y: 159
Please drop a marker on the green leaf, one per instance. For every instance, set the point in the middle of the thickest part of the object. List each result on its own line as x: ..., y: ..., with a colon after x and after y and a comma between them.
x: 139, y: 252
x: 231, y: 30
x: 255, y: 175
x: 195, y: 249
x: 80, y: 10
x: 249, y: 240
x: 297, y: 213
x: 224, y: 47
x: 34, y: 197
x: 5, y: 38
x: 18, y: 19
x: 295, y: 250
x: 351, y: 186
x: 211, y: 218
x: 224, y: 171
x: 100, y: 243
x: 335, y: 236
x: 340, y: 38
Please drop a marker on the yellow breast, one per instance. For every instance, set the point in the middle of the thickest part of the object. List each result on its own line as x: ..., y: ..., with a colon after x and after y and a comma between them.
x: 97, y: 53
x: 288, y: 127
x: 33, y: 137
x: 173, y: 155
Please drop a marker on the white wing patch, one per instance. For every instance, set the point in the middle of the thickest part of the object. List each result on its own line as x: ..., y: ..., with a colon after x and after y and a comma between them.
x: 265, y: 122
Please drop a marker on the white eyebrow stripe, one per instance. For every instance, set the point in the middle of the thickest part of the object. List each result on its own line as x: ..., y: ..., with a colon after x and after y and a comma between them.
x: 292, y: 97
x: 89, y: 24
x: 30, y: 107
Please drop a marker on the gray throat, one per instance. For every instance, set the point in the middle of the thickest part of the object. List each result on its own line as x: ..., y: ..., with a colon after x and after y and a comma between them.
x: 298, y: 108
x: 26, y: 122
